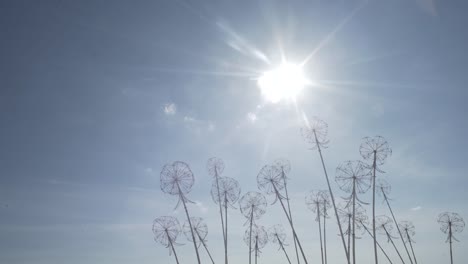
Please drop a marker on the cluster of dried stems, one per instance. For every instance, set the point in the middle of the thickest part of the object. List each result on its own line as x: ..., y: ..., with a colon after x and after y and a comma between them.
x: 353, y: 177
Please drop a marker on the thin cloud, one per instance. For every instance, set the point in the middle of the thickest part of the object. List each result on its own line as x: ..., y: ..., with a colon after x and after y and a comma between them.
x: 170, y: 109
x: 417, y: 208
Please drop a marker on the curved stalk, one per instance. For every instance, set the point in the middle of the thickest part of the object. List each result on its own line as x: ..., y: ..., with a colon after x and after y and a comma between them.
x: 204, y: 245
x: 250, y: 235
x: 282, y: 247
x: 324, y: 232
x: 221, y: 214
x: 411, y: 245
x: 374, y: 167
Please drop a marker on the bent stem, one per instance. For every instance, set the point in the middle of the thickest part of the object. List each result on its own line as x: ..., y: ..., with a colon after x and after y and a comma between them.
x: 332, y: 198
x: 290, y: 223
x: 398, y: 228
x: 172, y: 246
x: 289, y: 210
x: 394, y: 246
x: 190, y: 222
x: 204, y: 245
x: 282, y: 247
x: 383, y: 251
x: 411, y: 245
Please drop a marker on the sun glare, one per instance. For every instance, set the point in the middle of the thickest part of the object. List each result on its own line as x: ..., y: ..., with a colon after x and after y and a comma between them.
x: 282, y: 83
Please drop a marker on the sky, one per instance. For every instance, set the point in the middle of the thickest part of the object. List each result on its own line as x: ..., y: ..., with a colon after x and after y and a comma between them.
x: 97, y: 96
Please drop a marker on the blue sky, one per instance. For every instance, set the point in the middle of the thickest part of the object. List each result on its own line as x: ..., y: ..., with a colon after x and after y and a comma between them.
x: 96, y: 96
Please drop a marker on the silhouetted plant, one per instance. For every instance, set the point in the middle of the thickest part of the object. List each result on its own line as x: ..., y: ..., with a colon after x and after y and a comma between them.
x: 409, y: 231
x: 364, y: 225
x: 201, y: 231
x: 353, y: 177
x: 347, y: 214
x: 258, y: 236
x: 252, y: 206
x: 384, y: 190
x: 316, y: 133
x: 285, y: 167
x: 277, y: 235
x: 165, y: 230
x: 326, y: 204
x: 377, y: 150
x: 314, y: 201
x: 177, y: 179
x: 215, y: 167
x: 270, y: 180
x: 385, y: 227
x: 451, y: 223
x: 228, y: 190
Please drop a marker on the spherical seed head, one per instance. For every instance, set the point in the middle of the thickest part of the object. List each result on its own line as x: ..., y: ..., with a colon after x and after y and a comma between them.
x: 176, y: 178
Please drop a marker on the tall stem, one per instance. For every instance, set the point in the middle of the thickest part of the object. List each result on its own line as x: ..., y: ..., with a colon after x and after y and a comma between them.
x: 256, y: 249
x: 290, y: 223
x: 172, y: 247
x: 349, y: 235
x: 320, y: 231
x: 226, y: 232
x: 374, y: 167
x: 204, y: 245
x: 282, y: 247
x: 398, y: 228
x: 383, y: 251
x: 190, y: 223
x: 450, y: 237
x: 290, y: 214
x: 332, y: 198
x: 354, y: 220
x: 250, y: 235
x: 324, y: 232
x: 411, y: 245
x: 394, y: 246
x: 221, y: 212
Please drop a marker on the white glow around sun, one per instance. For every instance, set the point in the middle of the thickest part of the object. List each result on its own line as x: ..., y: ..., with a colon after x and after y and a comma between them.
x: 282, y: 83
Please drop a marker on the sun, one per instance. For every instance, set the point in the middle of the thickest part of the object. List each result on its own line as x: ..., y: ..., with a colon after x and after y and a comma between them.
x: 283, y: 83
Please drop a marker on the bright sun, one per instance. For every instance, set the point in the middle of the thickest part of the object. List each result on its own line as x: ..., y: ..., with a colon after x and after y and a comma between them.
x: 282, y: 83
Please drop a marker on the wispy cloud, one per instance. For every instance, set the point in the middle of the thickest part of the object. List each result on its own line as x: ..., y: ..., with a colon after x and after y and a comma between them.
x: 170, y: 109
x: 252, y: 117
x: 417, y: 208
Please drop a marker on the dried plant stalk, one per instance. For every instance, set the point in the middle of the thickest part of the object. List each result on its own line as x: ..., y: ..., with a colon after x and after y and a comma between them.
x: 177, y: 179
x: 315, y: 133
x: 451, y: 223
x: 277, y: 235
x: 201, y: 231
x: 385, y: 227
x: 409, y: 232
x: 165, y: 230
x: 377, y: 150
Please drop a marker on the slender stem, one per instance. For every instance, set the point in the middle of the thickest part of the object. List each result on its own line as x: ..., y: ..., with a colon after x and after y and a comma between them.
x: 450, y: 237
x: 190, y: 223
x: 250, y: 235
x: 394, y: 246
x: 220, y: 210
x: 226, y: 232
x: 383, y: 251
x: 374, y: 167
x: 349, y: 235
x: 172, y: 246
x: 332, y: 198
x: 290, y: 223
x: 320, y: 231
x: 324, y: 232
x: 411, y: 245
x: 204, y: 245
x: 282, y: 247
x: 256, y: 249
x: 290, y: 214
x: 354, y: 220
x: 398, y: 228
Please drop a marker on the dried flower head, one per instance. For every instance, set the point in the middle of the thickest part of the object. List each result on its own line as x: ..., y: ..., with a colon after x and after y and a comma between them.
x: 215, y: 166
x: 199, y: 228
x: 315, y: 133
x: 165, y: 230
x: 176, y: 178
x: 353, y: 171
x: 259, y: 237
x: 253, y: 204
x: 376, y: 146
x: 228, y: 192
